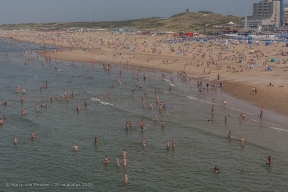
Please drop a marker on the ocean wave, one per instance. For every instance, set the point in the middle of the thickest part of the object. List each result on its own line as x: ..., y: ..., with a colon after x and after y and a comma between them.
x: 169, y: 82
x: 193, y: 98
x: 278, y: 129
x: 100, y: 102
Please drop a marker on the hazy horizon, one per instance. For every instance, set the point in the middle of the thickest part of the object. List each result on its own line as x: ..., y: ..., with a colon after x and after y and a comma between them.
x: 36, y: 11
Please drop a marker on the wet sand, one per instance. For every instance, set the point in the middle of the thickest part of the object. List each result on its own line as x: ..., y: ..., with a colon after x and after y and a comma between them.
x: 193, y: 58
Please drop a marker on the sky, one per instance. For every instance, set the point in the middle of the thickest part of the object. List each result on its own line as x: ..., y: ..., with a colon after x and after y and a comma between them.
x: 48, y: 11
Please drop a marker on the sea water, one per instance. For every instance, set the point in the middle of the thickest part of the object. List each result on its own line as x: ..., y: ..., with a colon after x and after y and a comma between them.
x: 49, y: 163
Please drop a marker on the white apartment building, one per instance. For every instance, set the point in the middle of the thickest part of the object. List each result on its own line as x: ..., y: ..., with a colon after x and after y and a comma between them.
x: 266, y: 13
x: 285, y: 16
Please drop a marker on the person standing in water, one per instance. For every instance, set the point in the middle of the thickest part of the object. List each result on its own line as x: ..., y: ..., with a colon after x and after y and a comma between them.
x: 269, y: 161
x: 76, y: 148
x: 261, y: 112
x: 144, y: 142
x: 124, y: 162
x: 242, y: 140
x: 173, y: 143
x: 15, y: 140
x: 230, y: 134
x: 167, y: 145
x: 124, y: 154
x: 32, y: 136
x: 126, y: 179
x: 105, y: 160
x: 155, y: 118
x: 96, y: 141
x: 163, y: 121
x: 117, y: 162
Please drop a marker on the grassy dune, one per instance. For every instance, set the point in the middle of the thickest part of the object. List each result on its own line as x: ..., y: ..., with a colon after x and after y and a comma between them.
x: 182, y: 21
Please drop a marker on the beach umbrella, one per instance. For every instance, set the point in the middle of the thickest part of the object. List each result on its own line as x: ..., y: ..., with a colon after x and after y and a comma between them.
x: 252, y: 51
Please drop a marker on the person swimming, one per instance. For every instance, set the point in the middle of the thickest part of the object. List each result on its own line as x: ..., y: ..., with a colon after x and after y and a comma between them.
x: 216, y: 170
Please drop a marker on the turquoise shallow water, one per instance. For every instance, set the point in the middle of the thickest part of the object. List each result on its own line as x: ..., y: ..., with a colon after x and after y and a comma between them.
x: 49, y: 159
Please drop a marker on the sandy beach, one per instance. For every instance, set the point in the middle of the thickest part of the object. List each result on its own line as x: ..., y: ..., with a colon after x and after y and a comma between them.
x: 239, y: 66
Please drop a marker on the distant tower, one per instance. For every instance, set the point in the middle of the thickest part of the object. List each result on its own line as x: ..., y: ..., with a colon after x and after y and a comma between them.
x: 187, y: 10
x: 281, y: 12
x: 246, y: 21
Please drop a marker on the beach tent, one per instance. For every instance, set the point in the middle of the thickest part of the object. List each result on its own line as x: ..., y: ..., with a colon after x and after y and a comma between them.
x: 252, y: 51
x: 269, y: 69
x: 286, y: 44
x: 273, y: 60
x: 268, y: 43
x: 249, y: 42
x: 249, y: 38
x: 84, y: 49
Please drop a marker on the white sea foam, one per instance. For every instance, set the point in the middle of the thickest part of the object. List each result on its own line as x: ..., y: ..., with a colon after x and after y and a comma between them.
x: 278, y: 129
x: 169, y: 82
x: 100, y: 102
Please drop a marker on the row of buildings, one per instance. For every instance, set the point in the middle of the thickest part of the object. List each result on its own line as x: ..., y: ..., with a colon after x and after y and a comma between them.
x: 268, y: 14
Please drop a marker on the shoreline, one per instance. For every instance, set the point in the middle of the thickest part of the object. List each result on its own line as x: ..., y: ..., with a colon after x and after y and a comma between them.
x: 238, y: 85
